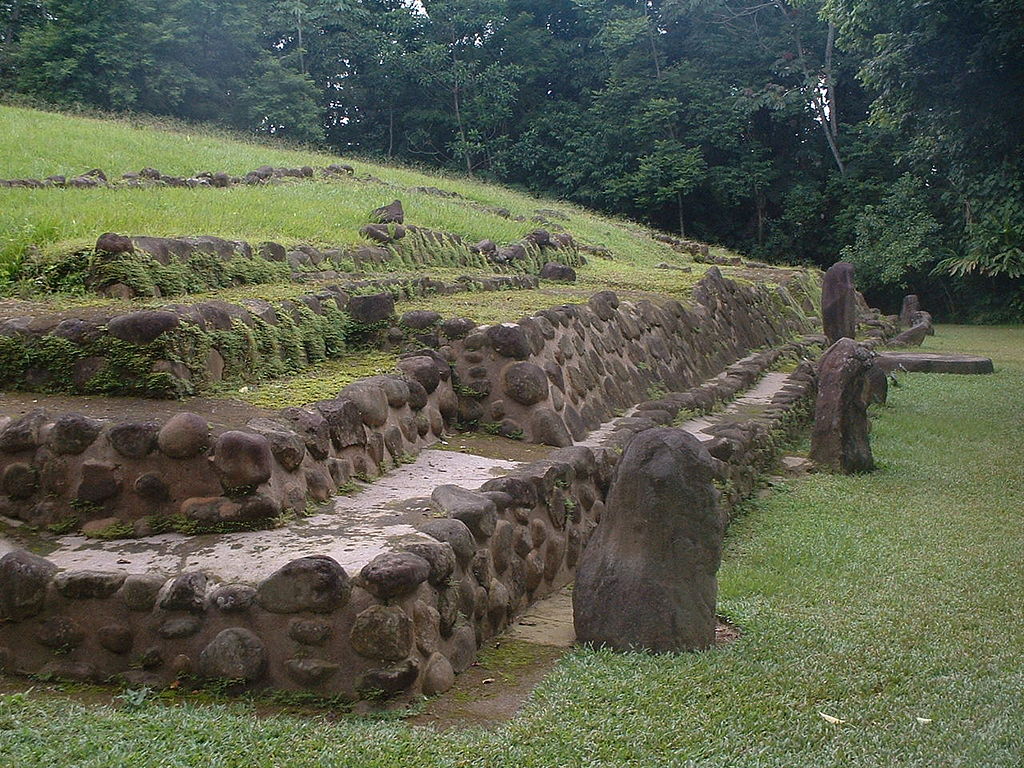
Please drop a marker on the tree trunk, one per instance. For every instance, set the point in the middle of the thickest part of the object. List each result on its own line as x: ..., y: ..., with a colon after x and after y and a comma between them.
x: 391, y: 130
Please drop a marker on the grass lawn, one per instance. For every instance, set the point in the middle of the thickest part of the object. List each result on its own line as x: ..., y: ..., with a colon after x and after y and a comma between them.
x: 891, y: 602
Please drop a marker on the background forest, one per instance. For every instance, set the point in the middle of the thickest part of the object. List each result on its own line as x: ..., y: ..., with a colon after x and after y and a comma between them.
x: 886, y: 132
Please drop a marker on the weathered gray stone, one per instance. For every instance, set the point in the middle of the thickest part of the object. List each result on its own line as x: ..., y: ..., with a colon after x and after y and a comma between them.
x: 113, y: 243
x: 134, y: 440
x: 313, y: 428
x: 454, y: 533
x: 233, y: 598
x: 371, y: 310
x: 547, y: 428
x: 439, y: 555
x: 242, y: 459
x: 371, y: 400
x: 929, y: 362
x: 509, y: 340
x: 152, y: 488
x: 185, y: 592
x: 525, y: 383
x: 142, y: 327
x: 839, y: 439
x: 309, y: 631
x: 420, y: 319
x: 184, y: 436
x: 438, y: 675
x: 85, y: 584
x: 463, y: 648
x: 59, y: 633
x: 309, y: 671
x: 392, y: 213
x: 421, y: 369
x: 911, y: 306
x: 555, y: 271
x: 344, y: 422
x: 647, y: 579
x: 912, y: 337
x: 522, y: 491
x: 139, y: 591
x: 19, y: 480
x: 23, y: 581
x: 393, y: 574
x: 388, y: 681
x: 116, y: 638
x: 876, y: 386
x: 317, y: 584
x: 382, y: 632
x: 286, y: 446
x: 99, y: 481
x: 234, y: 654
x: 72, y: 433
x: 474, y: 509
x: 22, y: 434
x: 839, y: 302
x: 178, y: 627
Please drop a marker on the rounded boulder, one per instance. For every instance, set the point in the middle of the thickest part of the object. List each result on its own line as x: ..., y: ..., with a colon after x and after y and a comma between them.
x: 242, y: 459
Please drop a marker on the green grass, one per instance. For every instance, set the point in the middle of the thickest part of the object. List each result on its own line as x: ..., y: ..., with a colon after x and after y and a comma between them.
x: 319, y: 382
x: 322, y: 213
x: 877, y: 600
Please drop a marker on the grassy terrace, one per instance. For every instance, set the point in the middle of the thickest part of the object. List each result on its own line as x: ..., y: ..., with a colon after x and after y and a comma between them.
x: 322, y: 213
x: 890, y: 602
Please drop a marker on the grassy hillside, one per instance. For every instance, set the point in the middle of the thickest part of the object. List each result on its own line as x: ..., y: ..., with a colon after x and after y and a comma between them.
x: 321, y: 213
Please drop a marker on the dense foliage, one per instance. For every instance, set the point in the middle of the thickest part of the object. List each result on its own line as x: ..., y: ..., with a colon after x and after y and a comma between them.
x: 886, y: 131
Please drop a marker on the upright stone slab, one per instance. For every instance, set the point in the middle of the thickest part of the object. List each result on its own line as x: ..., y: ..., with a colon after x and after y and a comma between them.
x: 839, y: 302
x: 911, y: 306
x: 647, y: 579
x: 839, y: 440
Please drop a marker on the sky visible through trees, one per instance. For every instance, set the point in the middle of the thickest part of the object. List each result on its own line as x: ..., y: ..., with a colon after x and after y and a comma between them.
x: 885, y: 132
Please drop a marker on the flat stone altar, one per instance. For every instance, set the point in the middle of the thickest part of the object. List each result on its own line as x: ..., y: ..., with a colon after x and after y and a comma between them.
x: 932, y: 362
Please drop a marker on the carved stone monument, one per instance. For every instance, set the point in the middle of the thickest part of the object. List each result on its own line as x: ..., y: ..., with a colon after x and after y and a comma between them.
x: 647, y: 579
x: 839, y: 440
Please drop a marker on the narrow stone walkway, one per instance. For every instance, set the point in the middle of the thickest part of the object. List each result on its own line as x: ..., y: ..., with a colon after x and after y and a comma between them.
x: 356, y: 528
x: 758, y: 396
x: 353, y: 529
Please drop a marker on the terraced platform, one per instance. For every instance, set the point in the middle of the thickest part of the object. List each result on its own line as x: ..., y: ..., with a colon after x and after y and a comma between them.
x: 288, y: 515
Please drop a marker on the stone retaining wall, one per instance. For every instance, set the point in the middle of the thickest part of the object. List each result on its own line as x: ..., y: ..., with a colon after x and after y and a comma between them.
x: 151, y: 177
x: 411, y: 618
x: 404, y: 625
x: 184, y: 349
x: 135, y: 478
x: 554, y: 376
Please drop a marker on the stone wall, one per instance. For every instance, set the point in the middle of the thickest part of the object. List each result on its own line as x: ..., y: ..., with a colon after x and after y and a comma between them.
x: 135, y: 478
x: 554, y: 376
x: 185, y: 349
x: 405, y: 623
x: 413, y: 617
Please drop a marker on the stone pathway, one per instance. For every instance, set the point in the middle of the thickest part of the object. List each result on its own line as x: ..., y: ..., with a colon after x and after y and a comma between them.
x: 356, y: 528
x: 353, y: 529
x: 758, y: 396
